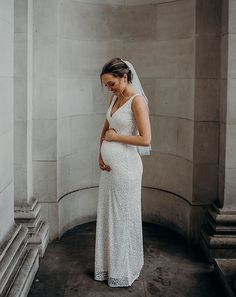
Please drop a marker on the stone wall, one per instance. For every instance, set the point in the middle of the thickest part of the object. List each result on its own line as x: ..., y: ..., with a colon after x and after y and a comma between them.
x: 6, y: 117
x: 227, y: 162
x: 175, y: 47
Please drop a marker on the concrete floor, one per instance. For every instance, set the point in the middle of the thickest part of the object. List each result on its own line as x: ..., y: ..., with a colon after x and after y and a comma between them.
x: 171, y: 269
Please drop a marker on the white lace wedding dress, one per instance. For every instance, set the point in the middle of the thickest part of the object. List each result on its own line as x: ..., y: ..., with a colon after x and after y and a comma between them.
x: 119, y: 254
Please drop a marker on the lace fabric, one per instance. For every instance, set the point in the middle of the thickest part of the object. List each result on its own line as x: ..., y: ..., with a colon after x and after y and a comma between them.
x: 119, y: 253
x: 116, y: 282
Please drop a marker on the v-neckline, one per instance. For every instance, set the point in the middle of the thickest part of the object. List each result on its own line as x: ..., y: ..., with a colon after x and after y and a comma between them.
x: 111, y: 115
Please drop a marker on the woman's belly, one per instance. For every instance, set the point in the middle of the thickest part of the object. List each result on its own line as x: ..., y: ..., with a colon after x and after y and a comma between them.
x: 121, y: 157
x: 113, y: 152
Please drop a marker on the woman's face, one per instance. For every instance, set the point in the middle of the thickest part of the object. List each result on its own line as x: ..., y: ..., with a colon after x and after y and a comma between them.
x: 114, y: 84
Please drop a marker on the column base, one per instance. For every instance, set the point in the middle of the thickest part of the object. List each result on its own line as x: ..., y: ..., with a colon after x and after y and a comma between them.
x: 225, y: 270
x: 38, y: 230
x: 218, y: 242
x: 18, y: 263
x: 218, y: 235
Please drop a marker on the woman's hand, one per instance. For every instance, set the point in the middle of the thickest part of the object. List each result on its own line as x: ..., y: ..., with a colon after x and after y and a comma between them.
x: 110, y: 135
x: 102, y: 165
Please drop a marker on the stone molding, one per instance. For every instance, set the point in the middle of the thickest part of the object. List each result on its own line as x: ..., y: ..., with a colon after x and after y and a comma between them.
x: 19, y: 263
x: 38, y: 230
x: 218, y: 235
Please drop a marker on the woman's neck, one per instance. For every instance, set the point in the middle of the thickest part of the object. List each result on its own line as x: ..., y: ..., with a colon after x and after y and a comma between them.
x: 128, y: 92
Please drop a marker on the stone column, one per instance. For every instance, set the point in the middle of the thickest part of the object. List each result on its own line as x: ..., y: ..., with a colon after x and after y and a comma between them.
x: 206, y: 105
x: 219, y: 233
x: 23, y: 103
x: 27, y: 208
x: 18, y: 260
x: 45, y: 123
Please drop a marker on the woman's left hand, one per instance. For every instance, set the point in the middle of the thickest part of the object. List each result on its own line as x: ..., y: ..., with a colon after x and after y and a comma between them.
x: 110, y: 134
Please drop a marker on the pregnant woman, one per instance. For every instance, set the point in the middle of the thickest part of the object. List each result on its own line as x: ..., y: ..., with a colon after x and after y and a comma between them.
x: 125, y: 136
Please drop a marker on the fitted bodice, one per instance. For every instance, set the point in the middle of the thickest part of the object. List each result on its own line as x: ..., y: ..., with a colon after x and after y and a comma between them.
x: 122, y: 120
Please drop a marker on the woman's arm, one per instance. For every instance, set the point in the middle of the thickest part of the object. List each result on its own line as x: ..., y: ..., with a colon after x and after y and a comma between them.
x: 105, y: 128
x: 141, y: 114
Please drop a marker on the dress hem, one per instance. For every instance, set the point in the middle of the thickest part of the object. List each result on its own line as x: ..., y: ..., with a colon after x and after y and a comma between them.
x: 114, y: 282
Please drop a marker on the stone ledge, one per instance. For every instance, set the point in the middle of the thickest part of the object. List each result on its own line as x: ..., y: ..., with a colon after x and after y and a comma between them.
x: 222, y: 211
x: 18, y: 263
x: 218, y: 235
x: 9, y: 239
x: 218, y: 241
x: 222, y: 227
x: 220, y: 215
x: 40, y: 238
x: 25, y: 275
x: 225, y: 270
x: 27, y: 212
x: 12, y: 255
x: 26, y: 207
x: 30, y: 223
x: 211, y: 253
x: 38, y: 230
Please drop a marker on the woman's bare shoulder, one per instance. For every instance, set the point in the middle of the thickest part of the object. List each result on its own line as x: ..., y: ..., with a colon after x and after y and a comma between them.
x: 139, y: 102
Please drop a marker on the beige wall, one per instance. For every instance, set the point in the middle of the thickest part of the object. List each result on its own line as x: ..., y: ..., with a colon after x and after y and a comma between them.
x: 44, y: 113
x: 6, y: 118
x: 23, y: 45
x: 175, y: 47
x: 206, y: 103
x: 227, y: 162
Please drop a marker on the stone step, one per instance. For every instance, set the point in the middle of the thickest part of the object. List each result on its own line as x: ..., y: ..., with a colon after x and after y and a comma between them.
x: 27, y: 213
x: 218, y: 235
x: 40, y: 238
x: 40, y: 233
x: 27, y: 207
x: 221, y: 228
x: 225, y: 270
x: 25, y: 275
x: 32, y: 224
x: 29, y: 216
x: 222, y: 217
x: 12, y: 255
x: 9, y: 279
x: 216, y: 247
x: 219, y: 240
x: 8, y: 240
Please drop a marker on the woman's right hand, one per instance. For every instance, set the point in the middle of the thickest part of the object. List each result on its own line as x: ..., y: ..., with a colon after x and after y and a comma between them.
x: 102, y: 165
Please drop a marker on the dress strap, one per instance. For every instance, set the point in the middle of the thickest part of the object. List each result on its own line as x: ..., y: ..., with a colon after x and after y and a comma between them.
x: 131, y: 99
x: 128, y: 102
x: 112, y: 101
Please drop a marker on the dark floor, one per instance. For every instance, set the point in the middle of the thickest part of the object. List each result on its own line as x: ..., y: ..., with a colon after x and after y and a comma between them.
x: 171, y: 268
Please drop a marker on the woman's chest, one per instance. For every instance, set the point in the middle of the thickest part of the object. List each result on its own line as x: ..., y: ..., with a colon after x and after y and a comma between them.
x: 123, y: 122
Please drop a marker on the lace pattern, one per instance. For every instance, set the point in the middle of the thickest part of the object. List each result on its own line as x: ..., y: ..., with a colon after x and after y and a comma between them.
x: 115, y: 282
x: 119, y: 239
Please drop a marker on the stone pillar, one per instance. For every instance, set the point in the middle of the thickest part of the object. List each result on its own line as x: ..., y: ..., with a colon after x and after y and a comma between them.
x: 206, y: 105
x: 6, y: 119
x: 218, y: 236
x: 23, y: 103
x: 27, y: 209
x: 18, y: 261
x: 45, y: 71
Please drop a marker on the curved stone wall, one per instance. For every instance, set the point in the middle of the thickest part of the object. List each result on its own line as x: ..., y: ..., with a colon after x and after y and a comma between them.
x: 159, y: 37
x: 90, y: 34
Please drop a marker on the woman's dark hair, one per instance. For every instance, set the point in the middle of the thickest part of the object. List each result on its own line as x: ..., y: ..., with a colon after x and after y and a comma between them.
x: 118, y: 68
